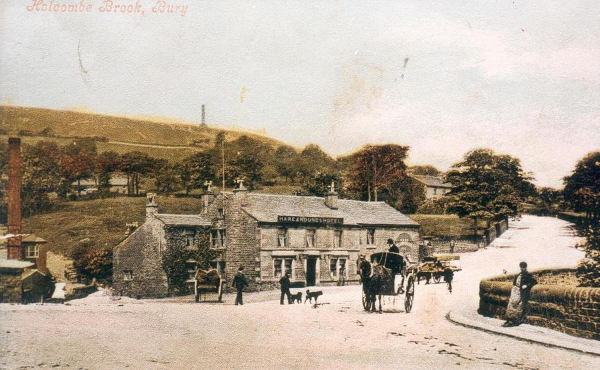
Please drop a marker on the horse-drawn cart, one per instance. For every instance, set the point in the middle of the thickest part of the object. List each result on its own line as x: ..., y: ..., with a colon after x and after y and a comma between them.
x: 207, y: 282
x: 379, y: 279
x: 434, y: 266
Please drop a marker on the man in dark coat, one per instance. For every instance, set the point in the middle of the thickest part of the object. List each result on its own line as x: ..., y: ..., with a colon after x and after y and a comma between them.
x: 393, y: 247
x: 448, y: 276
x: 239, y: 282
x: 285, y: 288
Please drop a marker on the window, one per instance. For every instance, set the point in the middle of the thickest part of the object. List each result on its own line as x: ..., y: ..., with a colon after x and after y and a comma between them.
x: 282, y: 237
x: 337, y: 267
x: 403, y: 238
x: 219, y: 266
x: 310, y: 239
x: 342, y: 270
x: 189, y: 238
x: 191, y: 269
x: 221, y: 212
x: 33, y: 251
x: 217, y: 238
x: 337, y: 238
x: 127, y: 275
x: 370, y: 236
x: 281, y: 265
x: 333, y: 267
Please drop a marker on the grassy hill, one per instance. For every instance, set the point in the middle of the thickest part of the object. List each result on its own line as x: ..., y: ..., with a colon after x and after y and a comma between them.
x: 158, y: 137
x: 100, y: 223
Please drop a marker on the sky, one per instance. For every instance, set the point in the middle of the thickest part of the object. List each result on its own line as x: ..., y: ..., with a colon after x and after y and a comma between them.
x: 443, y: 77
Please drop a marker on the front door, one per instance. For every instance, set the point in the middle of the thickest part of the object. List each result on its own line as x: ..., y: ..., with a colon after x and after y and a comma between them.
x: 311, y: 271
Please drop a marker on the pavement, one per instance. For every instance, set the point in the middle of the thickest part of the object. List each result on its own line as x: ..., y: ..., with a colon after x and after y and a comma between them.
x: 529, y: 333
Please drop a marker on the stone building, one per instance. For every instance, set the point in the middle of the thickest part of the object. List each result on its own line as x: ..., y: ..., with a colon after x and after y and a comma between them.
x: 317, y: 240
x: 435, y: 187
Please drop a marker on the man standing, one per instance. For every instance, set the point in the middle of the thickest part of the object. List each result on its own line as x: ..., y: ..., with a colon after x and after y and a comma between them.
x: 239, y: 282
x: 285, y: 288
x: 519, y: 297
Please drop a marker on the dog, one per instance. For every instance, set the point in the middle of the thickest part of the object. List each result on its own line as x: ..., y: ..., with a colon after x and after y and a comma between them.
x: 310, y: 295
x: 296, y: 297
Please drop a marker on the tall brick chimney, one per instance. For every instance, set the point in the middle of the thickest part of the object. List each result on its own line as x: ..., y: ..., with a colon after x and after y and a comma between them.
x: 14, y: 249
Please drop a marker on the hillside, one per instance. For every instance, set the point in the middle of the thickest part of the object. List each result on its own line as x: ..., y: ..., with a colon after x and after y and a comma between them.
x: 170, y: 140
x: 99, y: 223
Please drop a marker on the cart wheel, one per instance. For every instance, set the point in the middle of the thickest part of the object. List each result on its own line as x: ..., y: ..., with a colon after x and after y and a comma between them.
x: 410, y: 294
x: 366, y: 303
x: 437, y: 277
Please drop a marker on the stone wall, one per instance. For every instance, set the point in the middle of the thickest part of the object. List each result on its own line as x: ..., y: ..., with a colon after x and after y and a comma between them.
x: 566, y: 308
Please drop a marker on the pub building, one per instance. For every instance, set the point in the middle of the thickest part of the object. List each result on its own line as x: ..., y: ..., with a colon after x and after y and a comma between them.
x: 316, y: 240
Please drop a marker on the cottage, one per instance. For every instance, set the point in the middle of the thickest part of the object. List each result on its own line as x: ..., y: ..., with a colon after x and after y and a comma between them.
x: 435, y: 187
x: 317, y: 240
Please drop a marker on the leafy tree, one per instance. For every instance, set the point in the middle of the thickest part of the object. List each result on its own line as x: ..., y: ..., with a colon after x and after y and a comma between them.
x: 487, y: 186
x: 425, y: 170
x: 93, y: 263
x: 41, y: 175
x: 247, y: 159
x: 588, y: 270
x: 375, y: 168
x: 582, y: 187
x: 313, y: 160
x: 136, y: 164
x: 196, y: 169
x: 106, y: 164
x: 406, y: 194
x: 321, y: 183
x: 175, y: 257
x: 286, y: 162
x: 166, y: 178
x: 78, y: 162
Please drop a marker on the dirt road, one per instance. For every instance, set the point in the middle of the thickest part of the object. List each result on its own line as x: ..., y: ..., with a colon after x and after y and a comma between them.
x: 96, y: 333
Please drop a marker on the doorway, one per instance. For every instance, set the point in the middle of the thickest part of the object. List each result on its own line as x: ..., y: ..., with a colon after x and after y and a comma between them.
x: 311, y: 271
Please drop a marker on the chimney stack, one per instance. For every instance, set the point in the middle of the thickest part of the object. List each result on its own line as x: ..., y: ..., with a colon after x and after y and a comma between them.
x: 14, y: 249
x: 151, y: 206
x: 207, y: 197
x: 331, y: 198
x: 240, y: 192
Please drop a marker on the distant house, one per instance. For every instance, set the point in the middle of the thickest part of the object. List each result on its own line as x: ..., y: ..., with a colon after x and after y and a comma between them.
x: 435, y: 186
x: 317, y: 241
x: 118, y: 184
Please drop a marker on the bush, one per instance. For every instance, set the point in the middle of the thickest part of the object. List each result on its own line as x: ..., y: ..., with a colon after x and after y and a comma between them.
x: 93, y: 263
x: 588, y: 270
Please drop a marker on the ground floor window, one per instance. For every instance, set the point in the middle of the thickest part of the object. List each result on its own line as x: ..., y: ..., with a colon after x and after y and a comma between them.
x: 219, y: 266
x: 127, y: 275
x: 218, y: 238
x: 281, y: 266
x: 337, y: 268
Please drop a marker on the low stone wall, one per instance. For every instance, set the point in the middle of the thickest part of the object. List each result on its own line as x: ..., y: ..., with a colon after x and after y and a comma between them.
x: 564, y: 307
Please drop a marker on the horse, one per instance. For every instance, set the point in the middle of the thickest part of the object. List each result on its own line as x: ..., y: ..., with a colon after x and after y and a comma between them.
x: 378, y: 280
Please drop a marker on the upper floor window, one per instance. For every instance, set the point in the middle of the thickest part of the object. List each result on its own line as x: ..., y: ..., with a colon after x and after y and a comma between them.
x: 337, y: 238
x: 282, y: 237
x: 218, y: 238
x: 33, y: 251
x: 311, y: 240
x: 370, y: 236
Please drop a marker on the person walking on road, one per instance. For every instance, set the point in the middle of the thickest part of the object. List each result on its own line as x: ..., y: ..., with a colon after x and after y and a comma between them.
x: 285, y: 288
x: 239, y: 282
x: 448, y: 276
x: 519, y: 297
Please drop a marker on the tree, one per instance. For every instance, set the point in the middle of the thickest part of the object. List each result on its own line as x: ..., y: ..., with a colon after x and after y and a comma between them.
x: 425, y: 170
x: 93, y: 263
x: 588, y: 270
x: 166, y: 179
x: 41, y: 175
x: 406, y: 194
x: 106, y: 164
x: 582, y: 187
x: 198, y: 168
x: 321, y: 183
x: 375, y: 168
x: 286, y: 162
x: 78, y: 162
x: 136, y: 164
x: 313, y: 160
x: 487, y: 186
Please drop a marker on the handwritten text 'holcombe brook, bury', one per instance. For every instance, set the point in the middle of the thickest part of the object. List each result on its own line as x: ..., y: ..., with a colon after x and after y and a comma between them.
x: 107, y: 6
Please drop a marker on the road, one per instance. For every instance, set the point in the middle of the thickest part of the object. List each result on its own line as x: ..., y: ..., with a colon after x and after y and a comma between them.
x: 96, y: 333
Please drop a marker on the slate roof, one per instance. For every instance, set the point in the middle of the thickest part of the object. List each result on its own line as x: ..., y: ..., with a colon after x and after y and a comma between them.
x: 434, y: 181
x: 266, y: 208
x: 183, y: 220
x: 30, y: 238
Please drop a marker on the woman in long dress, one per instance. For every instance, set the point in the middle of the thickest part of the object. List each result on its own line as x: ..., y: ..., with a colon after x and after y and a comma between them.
x: 517, y: 308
